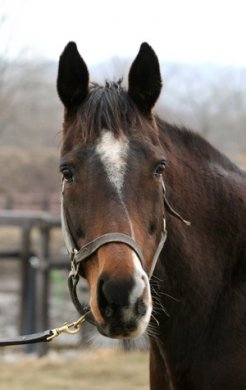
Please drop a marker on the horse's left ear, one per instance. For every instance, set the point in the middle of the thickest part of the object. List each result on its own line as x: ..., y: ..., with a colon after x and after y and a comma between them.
x: 145, y: 79
x: 73, y: 77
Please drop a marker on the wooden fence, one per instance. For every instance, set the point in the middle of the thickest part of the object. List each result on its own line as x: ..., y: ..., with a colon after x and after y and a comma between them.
x: 35, y: 271
x: 34, y: 275
x: 31, y: 201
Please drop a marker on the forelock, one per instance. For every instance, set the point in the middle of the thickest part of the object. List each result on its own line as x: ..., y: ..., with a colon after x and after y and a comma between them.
x: 109, y: 107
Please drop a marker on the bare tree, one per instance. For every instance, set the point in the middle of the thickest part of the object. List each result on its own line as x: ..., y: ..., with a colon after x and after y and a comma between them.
x: 211, y: 100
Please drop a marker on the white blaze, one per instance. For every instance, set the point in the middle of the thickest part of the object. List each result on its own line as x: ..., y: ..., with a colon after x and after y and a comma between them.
x: 113, y: 154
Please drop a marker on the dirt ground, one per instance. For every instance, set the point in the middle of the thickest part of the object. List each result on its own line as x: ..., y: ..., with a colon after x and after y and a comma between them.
x: 105, y: 369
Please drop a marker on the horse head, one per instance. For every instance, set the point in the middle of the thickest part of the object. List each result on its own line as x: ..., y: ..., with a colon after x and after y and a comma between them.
x: 112, y: 166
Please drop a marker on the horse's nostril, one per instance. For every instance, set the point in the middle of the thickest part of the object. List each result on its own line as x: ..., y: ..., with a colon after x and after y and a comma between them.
x: 107, y: 294
x: 141, y: 307
x: 107, y: 311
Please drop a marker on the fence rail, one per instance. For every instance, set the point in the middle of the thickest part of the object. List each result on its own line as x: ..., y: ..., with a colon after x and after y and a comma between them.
x: 31, y: 201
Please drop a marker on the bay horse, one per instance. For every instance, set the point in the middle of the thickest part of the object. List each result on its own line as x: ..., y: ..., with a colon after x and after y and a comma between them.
x: 129, y: 180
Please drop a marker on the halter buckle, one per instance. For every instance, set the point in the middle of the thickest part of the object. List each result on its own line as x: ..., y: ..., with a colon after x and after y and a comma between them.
x: 74, y: 265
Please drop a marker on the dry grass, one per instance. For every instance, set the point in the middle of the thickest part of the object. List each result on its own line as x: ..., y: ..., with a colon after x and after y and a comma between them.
x: 92, y: 370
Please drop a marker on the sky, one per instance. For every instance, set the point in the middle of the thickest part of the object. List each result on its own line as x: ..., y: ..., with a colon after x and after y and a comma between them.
x: 187, y: 31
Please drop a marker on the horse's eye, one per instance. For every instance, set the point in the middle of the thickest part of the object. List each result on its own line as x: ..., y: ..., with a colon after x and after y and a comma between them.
x: 67, y: 174
x: 159, y: 169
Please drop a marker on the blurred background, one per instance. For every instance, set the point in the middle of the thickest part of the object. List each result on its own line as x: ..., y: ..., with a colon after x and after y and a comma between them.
x: 200, y: 45
x: 201, y: 48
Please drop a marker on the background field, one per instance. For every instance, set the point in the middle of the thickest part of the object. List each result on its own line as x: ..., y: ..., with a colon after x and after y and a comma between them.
x: 89, y: 370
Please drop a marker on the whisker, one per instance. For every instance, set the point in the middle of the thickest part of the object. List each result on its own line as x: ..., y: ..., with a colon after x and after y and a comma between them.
x: 162, y: 309
x: 152, y: 331
x: 158, y: 310
x: 157, y: 303
x: 152, y: 334
x: 158, y: 324
x: 155, y: 284
x: 170, y: 296
x: 155, y: 278
x: 158, y: 306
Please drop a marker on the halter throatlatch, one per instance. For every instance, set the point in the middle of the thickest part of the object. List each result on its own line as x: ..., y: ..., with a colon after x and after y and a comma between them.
x: 170, y: 209
x: 78, y: 256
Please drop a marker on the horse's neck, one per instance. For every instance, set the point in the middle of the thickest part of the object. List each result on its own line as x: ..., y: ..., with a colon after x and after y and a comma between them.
x: 203, y: 182
x: 196, y: 261
x: 209, y: 190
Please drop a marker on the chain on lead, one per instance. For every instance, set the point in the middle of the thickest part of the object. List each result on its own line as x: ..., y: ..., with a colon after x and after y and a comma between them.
x: 69, y: 328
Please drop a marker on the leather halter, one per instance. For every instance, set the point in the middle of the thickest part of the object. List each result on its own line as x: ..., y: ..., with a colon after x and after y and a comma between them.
x: 78, y: 256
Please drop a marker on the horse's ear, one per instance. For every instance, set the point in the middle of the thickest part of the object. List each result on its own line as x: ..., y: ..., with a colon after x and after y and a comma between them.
x: 145, y: 79
x: 73, y: 77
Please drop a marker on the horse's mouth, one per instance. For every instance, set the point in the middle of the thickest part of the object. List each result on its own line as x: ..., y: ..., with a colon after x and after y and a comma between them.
x: 126, y: 331
x: 123, y: 329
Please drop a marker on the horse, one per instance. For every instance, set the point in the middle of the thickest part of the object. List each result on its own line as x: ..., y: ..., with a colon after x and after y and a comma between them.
x: 158, y: 218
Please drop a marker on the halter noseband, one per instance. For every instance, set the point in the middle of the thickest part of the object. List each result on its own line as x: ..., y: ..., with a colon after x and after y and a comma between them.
x: 78, y: 256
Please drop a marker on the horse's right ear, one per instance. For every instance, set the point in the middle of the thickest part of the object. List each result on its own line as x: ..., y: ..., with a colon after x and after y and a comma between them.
x: 73, y: 77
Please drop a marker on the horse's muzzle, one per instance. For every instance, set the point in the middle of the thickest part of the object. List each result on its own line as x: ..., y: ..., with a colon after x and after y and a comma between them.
x: 125, y: 306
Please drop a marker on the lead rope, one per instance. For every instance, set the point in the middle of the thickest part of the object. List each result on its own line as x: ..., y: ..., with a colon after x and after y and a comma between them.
x: 47, y: 335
